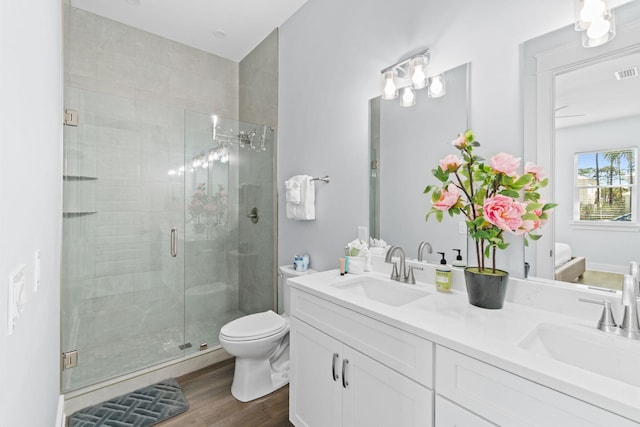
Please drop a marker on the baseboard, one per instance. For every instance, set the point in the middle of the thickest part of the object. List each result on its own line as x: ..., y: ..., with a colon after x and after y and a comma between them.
x: 609, y: 268
x: 88, y: 396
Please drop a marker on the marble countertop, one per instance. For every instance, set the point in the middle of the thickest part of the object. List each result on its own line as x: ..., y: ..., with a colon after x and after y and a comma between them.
x: 492, y: 336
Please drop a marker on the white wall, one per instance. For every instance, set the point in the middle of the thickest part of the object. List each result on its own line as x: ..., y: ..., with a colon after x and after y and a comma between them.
x: 614, y: 248
x: 30, y: 206
x: 331, y: 54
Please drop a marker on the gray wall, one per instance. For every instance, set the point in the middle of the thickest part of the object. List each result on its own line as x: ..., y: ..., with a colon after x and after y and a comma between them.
x: 331, y: 54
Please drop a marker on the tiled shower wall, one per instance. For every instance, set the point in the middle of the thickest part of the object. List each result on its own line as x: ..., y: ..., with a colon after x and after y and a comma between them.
x: 121, y: 286
x: 258, y: 104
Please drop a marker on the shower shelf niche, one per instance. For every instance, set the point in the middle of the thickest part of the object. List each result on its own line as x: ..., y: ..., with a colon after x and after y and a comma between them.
x: 79, y: 195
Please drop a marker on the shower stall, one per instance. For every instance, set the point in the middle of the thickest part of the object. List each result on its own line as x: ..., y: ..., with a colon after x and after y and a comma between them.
x: 168, y: 232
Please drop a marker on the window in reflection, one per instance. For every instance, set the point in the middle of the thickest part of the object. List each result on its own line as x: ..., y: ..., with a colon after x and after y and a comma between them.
x: 604, y: 186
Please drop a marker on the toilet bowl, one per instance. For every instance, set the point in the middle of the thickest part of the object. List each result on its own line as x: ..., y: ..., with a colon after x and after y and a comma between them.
x: 260, y: 343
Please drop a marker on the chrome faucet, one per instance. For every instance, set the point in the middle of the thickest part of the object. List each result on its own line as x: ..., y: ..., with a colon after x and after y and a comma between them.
x: 401, y: 276
x: 394, y: 272
x: 423, y: 245
x: 630, y: 325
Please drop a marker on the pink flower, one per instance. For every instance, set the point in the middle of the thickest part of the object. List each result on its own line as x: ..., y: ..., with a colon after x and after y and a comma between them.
x: 450, y: 163
x: 448, y: 198
x: 535, y: 170
x: 505, y: 163
x: 460, y: 142
x: 503, y: 212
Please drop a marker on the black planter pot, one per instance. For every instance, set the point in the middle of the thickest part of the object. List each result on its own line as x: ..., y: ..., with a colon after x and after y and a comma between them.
x: 486, y: 290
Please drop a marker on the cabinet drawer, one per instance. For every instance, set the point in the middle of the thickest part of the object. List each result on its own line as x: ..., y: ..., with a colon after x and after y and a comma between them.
x: 507, y: 399
x: 406, y: 353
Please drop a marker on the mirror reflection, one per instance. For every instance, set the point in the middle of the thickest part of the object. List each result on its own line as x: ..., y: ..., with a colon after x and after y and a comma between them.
x: 405, y: 144
x: 581, y: 121
x: 597, y: 120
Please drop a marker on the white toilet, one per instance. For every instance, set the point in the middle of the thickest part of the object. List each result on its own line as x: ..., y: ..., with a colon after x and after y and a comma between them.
x: 260, y: 343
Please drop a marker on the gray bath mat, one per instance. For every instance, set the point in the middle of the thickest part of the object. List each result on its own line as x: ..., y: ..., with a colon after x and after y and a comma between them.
x: 141, y: 408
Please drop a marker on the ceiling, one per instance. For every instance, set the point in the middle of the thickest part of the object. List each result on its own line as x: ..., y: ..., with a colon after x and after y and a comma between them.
x: 227, y: 28
x: 593, y: 94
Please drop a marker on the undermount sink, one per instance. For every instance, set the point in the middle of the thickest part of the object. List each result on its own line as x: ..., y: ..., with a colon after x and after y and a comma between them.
x: 385, y: 291
x: 594, y: 351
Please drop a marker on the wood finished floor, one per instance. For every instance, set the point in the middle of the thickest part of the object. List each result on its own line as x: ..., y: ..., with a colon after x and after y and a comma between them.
x: 208, y: 392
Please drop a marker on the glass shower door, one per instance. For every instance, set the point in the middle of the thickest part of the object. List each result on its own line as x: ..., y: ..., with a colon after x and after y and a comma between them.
x: 230, y: 252
x: 122, y: 290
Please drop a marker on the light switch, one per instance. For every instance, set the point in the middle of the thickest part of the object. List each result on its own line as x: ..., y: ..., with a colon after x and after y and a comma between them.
x: 16, y: 297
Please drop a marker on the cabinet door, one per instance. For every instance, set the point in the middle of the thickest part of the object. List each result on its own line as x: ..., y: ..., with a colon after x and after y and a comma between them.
x: 315, y: 394
x: 449, y: 414
x: 374, y: 395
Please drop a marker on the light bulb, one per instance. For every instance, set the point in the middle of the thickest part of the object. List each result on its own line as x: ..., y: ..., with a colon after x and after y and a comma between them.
x: 592, y: 10
x: 390, y: 89
x: 436, y: 86
x: 598, y: 28
x: 408, y: 97
x: 417, y: 72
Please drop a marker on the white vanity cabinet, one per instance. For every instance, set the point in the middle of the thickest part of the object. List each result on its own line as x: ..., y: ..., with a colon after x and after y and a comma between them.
x: 506, y: 399
x: 351, y: 373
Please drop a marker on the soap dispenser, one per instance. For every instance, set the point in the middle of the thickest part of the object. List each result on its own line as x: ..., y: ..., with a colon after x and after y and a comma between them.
x: 459, y: 262
x: 443, y: 275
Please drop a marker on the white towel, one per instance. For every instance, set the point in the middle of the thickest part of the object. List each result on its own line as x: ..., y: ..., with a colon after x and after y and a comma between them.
x: 306, y: 208
x: 292, y: 188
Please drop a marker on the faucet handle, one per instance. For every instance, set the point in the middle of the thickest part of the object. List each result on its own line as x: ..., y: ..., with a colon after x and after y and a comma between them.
x: 607, y: 322
x: 410, y: 277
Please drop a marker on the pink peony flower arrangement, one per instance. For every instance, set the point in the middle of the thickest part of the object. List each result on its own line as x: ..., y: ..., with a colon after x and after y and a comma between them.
x: 492, y: 197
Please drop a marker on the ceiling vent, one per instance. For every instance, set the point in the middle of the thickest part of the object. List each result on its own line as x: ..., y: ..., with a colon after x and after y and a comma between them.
x: 627, y: 74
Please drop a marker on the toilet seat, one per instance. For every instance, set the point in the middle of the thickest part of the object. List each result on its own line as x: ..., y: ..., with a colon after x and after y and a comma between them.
x: 254, y: 327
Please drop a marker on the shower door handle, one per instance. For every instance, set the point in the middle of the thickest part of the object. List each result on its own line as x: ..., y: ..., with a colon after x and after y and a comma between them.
x: 174, y: 242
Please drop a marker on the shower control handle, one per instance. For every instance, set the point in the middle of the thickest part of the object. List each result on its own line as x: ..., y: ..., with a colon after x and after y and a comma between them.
x: 174, y: 242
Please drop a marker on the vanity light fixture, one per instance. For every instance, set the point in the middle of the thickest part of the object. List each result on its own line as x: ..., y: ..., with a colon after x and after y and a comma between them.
x: 596, y: 22
x: 407, y: 76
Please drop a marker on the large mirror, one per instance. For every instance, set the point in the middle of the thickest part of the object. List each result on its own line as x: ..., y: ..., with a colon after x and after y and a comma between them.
x: 582, y: 118
x: 406, y: 143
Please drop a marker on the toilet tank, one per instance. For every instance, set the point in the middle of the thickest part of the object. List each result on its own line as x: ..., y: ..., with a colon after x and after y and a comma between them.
x: 286, y: 272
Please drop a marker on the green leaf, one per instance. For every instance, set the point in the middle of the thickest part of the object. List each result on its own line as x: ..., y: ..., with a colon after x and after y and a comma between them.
x: 543, y: 183
x: 533, y: 206
x: 531, y: 195
x: 548, y: 206
x: 439, y: 215
x: 435, y: 196
x: 530, y: 217
x: 510, y: 193
x: 524, y: 180
x: 526, y: 242
x: 535, y: 237
x: 428, y: 189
